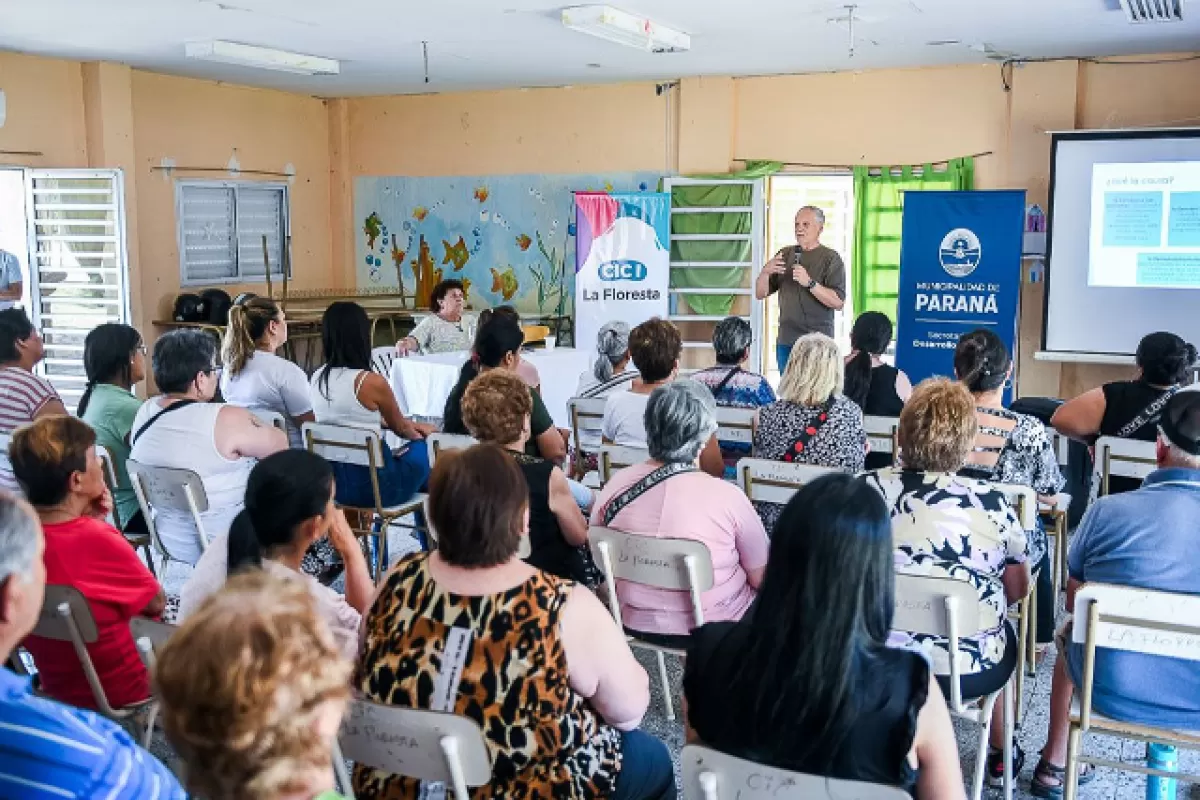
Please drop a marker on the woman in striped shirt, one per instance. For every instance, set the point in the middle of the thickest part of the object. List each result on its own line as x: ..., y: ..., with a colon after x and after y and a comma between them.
x: 23, y: 396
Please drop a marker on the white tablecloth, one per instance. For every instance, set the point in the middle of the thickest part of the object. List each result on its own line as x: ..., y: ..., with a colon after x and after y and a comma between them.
x: 422, y: 383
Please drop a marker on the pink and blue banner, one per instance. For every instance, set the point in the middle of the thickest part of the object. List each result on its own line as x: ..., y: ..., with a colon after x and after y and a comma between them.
x: 623, y: 260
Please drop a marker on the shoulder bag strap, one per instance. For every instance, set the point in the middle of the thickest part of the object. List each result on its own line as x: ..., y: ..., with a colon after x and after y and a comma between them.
x: 810, y: 430
x: 157, y: 417
x: 725, y: 381
x: 641, y: 487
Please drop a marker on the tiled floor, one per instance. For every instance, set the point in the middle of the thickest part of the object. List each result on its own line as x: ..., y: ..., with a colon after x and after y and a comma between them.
x: 1109, y: 784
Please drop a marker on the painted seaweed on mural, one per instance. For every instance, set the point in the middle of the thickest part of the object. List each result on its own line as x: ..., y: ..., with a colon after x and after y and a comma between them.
x: 508, y: 238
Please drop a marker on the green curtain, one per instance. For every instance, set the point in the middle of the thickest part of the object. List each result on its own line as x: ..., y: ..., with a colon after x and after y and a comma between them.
x: 879, y: 205
x: 735, y: 222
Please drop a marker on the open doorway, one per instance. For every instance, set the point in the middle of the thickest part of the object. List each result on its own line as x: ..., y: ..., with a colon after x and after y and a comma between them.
x: 14, y: 223
x: 833, y: 193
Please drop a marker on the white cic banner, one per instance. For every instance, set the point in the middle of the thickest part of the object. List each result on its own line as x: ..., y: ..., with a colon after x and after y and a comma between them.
x: 622, y: 258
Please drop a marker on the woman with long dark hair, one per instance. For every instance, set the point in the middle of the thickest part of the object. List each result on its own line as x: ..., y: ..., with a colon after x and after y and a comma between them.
x: 879, y: 389
x: 289, y: 506
x: 114, y: 359
x: 346, y: 392
x: 806, y: 681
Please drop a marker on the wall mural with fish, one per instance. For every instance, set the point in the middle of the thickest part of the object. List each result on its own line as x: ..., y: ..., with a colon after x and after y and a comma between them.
x: 508, y: 238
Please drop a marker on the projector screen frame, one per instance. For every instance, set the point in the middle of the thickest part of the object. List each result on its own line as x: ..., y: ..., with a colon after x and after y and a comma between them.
x: 1091, y: 134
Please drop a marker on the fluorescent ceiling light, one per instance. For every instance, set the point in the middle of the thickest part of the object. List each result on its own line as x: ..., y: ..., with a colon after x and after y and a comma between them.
x: 621, y: 27
x: 247, y: 55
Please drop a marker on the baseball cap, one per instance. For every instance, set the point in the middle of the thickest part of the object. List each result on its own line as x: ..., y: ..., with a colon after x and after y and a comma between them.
x: 1180, y: 421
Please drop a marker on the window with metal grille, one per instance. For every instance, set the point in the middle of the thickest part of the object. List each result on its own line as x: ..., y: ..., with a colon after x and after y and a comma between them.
x: 78, y: 266
x: 221, y: 225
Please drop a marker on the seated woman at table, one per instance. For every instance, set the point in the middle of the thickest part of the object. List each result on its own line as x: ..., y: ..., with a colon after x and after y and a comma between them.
x: 447, y: 328
x: 254, y: 377
x: 346, y: 392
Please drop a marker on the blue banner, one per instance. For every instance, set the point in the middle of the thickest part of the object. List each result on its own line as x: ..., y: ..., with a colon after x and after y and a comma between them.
x: 960, y: 269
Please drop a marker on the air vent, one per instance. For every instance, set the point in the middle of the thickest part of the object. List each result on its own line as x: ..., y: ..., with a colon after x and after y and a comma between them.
x: 1139, y: 11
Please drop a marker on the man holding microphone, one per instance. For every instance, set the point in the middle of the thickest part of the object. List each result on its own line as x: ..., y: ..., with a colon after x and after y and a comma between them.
x: 811, y: 281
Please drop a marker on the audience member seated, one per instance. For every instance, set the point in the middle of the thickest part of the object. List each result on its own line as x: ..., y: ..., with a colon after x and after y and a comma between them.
x: 346, y: 392
x: 498, y: 346
x: 254, y: 377
x: 950, y: 526
x: 289, y: 506
x: 445, y: 330
x: 733, y: 386
x: 1130, y: 409
x: 114, y: 360
x: 1143, y: 539
x: 1010, y: 448
x: 496, y: 409
x: 812, y: 422
x: 612, y: 372
x: 669, y: 497
x: 23, y: 395
x: 48, y: 749
x: 879, y: 389
x: 253, y: 690
x: 183, y: 429
x: 527, y: 371
x: 806, y: 681
x: 518, y: 635
x: 55, y: 461
x: 655, y: 347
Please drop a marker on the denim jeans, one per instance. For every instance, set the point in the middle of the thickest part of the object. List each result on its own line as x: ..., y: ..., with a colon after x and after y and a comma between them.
x: 646, y: 771
x: 782, y: 353
x: 584, y: 497
x: 400, y: 478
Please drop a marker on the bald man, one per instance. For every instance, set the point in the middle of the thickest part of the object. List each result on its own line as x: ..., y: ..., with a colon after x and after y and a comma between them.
x: 811, y: 281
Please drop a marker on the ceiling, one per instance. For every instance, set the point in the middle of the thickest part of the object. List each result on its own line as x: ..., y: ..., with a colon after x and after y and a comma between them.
x: 487, y: 44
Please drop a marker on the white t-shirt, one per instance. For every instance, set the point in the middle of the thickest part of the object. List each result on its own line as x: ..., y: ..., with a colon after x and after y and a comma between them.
x: 590, y: 387
x: 624, y: 419
x: 270, y: 383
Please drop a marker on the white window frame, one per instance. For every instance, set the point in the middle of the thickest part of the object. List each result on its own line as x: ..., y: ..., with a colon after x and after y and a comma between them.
x: 181, y: 186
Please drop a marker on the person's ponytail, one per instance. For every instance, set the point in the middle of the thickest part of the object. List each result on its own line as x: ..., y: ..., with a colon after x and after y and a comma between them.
x: 858, y: 378
x: 238, y: 345
x: 245, y: 552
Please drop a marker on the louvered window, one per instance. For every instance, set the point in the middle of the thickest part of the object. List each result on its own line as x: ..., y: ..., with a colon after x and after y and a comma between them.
x: 221, y: 227
x: 78, y: 265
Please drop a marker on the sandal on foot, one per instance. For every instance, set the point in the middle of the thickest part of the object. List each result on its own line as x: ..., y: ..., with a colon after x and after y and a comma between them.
x: 1038, y: 787
x: 995, y: 764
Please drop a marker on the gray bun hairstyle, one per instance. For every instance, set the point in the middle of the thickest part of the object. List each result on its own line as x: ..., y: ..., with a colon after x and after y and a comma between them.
x: 612, y: 343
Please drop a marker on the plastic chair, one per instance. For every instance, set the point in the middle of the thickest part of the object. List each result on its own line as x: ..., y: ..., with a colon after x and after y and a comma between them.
x: 1025, y: 503
x: 712, y: 775
x: 1057, y: 520
x: 1124, y: 458
x: 583, y: 410
x: 767, y: 481
x: 172, y: 489
x: 67, y: 617
x: 426, y: 745
x: 883, y: 434
x: 447, y: 441
x: 735, y: 425
x: 677, y: 564
x: 614, y: 458
x: 1133, y: 621
x: 382, y: 359
x: 148, y: 636
x: 361, y: 447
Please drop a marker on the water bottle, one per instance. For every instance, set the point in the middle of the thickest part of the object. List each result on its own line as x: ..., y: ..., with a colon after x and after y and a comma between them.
x: 1164, y: 757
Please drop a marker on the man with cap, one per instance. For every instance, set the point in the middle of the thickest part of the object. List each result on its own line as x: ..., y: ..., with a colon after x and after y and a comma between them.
x: 1146, y: 539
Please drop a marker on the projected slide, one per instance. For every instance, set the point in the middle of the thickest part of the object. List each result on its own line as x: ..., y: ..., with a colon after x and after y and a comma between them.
x: 1145, y: 229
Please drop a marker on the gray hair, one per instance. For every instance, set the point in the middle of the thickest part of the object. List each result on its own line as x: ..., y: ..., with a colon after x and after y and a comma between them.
x: 680, y: 419
x: 1176, y: 455
x: 19, y: 535
x: 731, y: 338
x: 820, y: 214
x: 612, y: 343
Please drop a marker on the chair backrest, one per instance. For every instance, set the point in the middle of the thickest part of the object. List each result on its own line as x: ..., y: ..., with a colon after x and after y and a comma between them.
x: 168, y: 488
x: 712, y: 775
x: 1125, y: 458
x: 148, y: 636
x: 52, y: 624
x: 426, y: 745
x: 614, y: 458
x: 938, y: 607
x: 882, y: 433
x: 1061, y: 445
x: 382, y: 359
x: 1023, y: 500
x: 776, y: 481
x: 272, y: 418
x: 735, y: 424
x: 448, y: 441
x: 106, y: 464
x: 344, y: 444
x: 679, y: 564
x: 582, y: 410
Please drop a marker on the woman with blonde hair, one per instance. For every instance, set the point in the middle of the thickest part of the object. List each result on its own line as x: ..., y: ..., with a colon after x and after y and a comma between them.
x: 253, y: 376
x: 812, y: 422
x: 253, y: 689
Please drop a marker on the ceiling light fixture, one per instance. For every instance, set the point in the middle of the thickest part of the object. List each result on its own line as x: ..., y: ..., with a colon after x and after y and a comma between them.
x: 621, y: 27
x: 247, y: 55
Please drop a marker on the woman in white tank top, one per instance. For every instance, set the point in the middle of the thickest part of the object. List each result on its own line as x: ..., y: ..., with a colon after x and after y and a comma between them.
x: 182, y: 429
x: 346, y: 392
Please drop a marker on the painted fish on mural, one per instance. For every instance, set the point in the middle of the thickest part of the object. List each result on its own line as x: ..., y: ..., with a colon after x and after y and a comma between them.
x: 456, y: 254
x: 482, y: 194
x: 504, y: 283
x: 523, y: 242
x: 372, y: 227
x: 420, y: 213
